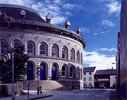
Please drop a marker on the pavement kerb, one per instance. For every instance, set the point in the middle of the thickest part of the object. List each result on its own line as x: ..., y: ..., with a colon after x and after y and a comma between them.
x: 24, y: 97
x: 38, y: 97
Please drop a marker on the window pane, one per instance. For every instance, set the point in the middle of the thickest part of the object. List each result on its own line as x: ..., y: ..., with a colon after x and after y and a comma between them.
x: 72, y: 55
x: 31, y: 48
x: 43, y: 49
x: 64, y: 52
x: 63, y: 71
x: 89, y: 78
x: 55, y: 51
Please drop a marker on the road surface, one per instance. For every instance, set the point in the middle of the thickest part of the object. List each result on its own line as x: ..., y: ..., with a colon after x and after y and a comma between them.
x: 94, y: 94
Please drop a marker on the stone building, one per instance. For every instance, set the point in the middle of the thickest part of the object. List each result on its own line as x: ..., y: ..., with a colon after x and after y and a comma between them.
x: 105, y: 78
x: 89, y: 77
x: 55, y: 50
x: 122, y: 52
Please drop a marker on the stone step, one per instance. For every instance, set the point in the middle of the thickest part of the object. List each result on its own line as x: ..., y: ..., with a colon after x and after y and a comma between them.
x: 47, y: 85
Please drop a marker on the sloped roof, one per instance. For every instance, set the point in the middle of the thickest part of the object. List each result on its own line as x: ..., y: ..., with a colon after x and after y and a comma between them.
x: 89, y: 69
x: 14, y: 11
x: 106, y: 72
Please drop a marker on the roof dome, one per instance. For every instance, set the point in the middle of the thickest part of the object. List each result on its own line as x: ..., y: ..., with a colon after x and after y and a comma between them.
x: 19, y: 13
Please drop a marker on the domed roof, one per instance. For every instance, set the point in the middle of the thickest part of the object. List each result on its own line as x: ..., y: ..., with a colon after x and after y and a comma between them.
x: 17, y: 12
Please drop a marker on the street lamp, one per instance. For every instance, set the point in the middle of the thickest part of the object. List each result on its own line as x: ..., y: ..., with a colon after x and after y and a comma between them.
x: 5, y: 58
x: 38, y: 71
x: 13, y: 87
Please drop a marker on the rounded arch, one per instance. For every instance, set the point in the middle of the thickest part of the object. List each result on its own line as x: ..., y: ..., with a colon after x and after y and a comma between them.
x: 55, y: 50
x: 72, y: 54
x: 43, y: 70
x: 44, y: 49
x: 30, y: 70
x: 31, y: 47
x: 64, y: 70
x: 3, y: 46
x: 65, y: 52
x: 17, y: 43
x: 54, y: 71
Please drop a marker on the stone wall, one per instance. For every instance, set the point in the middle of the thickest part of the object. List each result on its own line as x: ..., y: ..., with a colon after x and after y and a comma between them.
x: 5, y: 89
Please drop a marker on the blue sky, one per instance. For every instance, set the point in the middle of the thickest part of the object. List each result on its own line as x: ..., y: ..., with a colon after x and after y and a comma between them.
x: 97, y: 19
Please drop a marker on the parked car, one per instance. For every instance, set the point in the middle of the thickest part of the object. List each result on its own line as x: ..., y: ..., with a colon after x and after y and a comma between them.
x: 102, y: 85
x: 114, y: 85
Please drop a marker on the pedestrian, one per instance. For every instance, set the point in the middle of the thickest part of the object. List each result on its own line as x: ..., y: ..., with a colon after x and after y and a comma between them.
x: 40, y: 90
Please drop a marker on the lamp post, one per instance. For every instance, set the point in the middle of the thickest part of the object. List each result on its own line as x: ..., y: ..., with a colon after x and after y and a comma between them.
x: 13, y: 87
x: 28, y: 88
x: 38, y: 71
x: 5, y: 58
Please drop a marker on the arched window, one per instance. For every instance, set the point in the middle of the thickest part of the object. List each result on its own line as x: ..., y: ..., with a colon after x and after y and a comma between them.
x: 63, y: 71
x: 17, y: 43
x: 31, y: 48
x: 72, y: 55
x: 4, y: 46
x: 43, y: 49
x: 65, y: 52
x: 55, y: 50
x: 78, y: 56
x: 72, y: 72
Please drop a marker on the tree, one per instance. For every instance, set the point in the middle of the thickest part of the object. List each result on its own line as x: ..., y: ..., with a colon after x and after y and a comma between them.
x: 20, y: 58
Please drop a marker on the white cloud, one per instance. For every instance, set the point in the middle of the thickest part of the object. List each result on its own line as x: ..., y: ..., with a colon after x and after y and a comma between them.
x: 17, y: 2
x: 57, y: 1
x: 101, y: 61
x: 54, y: 7
x: 85, y: 30
x: 113, y: 7
x: 58, y: 19
x: 107, y: 22
x: 69, y: 6
x: 107, y: 49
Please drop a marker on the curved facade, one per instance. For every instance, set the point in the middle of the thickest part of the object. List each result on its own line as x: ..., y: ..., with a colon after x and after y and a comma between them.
x: 56, y: 51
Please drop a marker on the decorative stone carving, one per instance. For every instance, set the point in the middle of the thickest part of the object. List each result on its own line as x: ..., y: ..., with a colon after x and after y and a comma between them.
x: 23, y: 12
